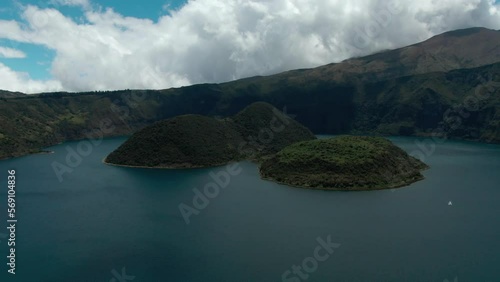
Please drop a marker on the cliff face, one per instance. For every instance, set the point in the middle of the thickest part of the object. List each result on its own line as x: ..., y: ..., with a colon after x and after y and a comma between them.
x: 343, y: 163
x: 197, y: 141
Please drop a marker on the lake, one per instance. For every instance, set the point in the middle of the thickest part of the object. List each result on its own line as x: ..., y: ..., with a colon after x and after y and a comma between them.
x: 105, y: 223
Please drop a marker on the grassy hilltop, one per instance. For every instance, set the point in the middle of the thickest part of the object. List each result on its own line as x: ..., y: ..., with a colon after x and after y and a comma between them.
x: 343, y: 163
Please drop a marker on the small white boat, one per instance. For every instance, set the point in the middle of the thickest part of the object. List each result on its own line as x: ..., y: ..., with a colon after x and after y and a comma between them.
x: 450, y: 203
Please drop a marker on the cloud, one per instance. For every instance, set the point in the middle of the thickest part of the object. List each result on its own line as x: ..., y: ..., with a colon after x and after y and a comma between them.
x: 221, y: 40
x: 11, y: 53
x: 81, y: 3
x: 16, y: 81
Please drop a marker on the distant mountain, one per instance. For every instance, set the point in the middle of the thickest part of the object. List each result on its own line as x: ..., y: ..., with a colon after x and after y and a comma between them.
x: 191, y: 141
x: 459, y: 49
x: 447, y: 84
x: 8, y: 94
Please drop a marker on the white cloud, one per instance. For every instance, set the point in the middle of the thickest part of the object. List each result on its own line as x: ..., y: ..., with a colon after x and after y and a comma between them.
x: 16, y: 81
x: 81, y: 3
x: 11, y: 53
x: 221, y: 40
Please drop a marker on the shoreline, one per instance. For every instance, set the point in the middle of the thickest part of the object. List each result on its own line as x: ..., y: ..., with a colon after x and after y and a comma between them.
x: 42, y: 152
x: 165, y: 167
x: 397, y: 186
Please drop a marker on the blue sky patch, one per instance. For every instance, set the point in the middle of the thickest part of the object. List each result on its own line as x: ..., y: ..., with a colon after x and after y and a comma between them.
x: 38, y: 58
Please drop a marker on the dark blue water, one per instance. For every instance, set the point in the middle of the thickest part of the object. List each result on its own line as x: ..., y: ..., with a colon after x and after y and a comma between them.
x: 101, y: 219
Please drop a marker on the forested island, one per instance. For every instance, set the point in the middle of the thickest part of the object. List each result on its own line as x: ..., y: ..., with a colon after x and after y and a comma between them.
x: 344, y: 163
x: 194, y: 141
x: 287, y: 151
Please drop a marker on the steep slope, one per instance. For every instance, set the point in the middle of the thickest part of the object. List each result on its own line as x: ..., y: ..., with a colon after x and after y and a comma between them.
x: 269, y: 130
x: 197, y: 141
x: 181, y: 142
x: 8, y: 94
x: 35, y: 121
x: 412, y: 105
x: 459, y: 49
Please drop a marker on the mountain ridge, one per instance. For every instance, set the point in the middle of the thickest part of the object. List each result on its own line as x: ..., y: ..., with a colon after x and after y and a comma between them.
x: 380, y: 102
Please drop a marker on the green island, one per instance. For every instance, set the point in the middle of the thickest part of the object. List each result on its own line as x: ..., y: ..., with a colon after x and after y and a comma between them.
x: 195, y: 141
x: 287, y: 152
x: 343, y: 163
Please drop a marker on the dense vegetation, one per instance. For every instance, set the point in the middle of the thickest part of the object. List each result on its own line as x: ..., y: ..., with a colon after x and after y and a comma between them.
x: 268, y: 130
x: 197, y: 141
x: 343, y: 163
x: 442, y: 85
x: 181, y: 142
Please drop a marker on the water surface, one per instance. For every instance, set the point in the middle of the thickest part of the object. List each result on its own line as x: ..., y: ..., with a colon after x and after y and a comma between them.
x: 102, y: 218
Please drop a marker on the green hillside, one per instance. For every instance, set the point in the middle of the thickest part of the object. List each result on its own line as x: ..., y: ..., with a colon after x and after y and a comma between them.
x: 181, y: 142
x: 191, y: 141
x: 343, y: 163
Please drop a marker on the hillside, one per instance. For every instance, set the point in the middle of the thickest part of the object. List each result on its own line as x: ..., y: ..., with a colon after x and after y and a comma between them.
x: 343, y: 163
x: 458, y: 49
x: 191, y: 141
x: 412, y: 94
x: 8, y: 94
x: 182, y: 142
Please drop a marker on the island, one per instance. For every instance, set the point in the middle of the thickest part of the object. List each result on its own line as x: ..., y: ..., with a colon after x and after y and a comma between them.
x: 287, y: 152
x: 343, y: 163
x: 195, y: 141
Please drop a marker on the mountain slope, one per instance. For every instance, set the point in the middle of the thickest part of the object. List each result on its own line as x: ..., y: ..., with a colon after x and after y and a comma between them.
x: 459, y: 49
x: 8, y: 94
x: 401, y: 92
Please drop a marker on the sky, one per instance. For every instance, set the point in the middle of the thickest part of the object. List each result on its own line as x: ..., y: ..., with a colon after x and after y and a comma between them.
x: 87, y: 45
